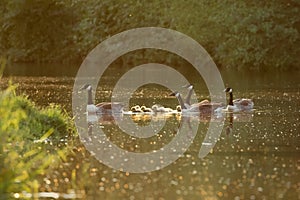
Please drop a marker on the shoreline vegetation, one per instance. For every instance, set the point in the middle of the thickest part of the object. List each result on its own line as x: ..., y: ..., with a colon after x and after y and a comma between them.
x: 237, y: 34
x: 34, y: 141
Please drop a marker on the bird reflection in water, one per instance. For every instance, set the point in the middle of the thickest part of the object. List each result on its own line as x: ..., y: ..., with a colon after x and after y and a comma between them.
x: 144, y: 120
x: 229, y: 127
x: 188, y: 121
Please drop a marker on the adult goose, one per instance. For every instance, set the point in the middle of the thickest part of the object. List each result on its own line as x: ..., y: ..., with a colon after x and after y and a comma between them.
x: 238, y: 104
x: 187, y: 101
x: 103, y: 107
x: 203, y: 107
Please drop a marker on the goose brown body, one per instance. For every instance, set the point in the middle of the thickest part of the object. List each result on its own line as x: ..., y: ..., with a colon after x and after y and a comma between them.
x: 103, y: 107
x: 237, y: 105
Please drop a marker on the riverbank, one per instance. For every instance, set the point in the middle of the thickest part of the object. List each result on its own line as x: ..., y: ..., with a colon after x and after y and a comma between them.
x: 34, y: 140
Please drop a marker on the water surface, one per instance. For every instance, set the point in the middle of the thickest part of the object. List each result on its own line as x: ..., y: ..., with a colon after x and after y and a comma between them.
x: 255, y: 157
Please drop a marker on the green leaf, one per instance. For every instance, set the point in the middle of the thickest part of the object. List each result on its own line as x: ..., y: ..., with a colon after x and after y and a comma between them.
x: 46, y: 135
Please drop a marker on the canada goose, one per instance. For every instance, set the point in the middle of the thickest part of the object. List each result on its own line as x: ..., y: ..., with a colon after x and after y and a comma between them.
x: 100, y: 108
x: 238, y: 104
x: 158, y: 108
x: 203, y: 107
x: 187, y: 102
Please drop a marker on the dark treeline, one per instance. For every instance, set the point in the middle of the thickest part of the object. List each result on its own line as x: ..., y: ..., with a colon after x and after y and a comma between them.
x: 237, y: 34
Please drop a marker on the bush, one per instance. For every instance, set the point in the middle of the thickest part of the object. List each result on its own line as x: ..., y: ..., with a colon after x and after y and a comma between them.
x: 30, y: 142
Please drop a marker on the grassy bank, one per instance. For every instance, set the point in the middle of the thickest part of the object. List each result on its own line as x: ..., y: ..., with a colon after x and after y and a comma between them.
x: 33, y: 141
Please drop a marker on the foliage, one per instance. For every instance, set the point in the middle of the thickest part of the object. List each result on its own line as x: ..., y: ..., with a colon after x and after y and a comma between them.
x: 255, y: 34
x: 261, y: 34
x: 35, y: 30
x: 244, y: 34
x: 2, y: 66
x: 30, y: 142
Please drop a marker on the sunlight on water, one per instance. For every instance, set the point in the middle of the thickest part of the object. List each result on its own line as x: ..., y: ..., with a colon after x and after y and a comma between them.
x: 255, y: 157
x: 53, y: 195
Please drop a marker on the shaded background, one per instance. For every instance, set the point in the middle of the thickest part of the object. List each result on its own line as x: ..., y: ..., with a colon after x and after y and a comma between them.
x: 237, y: 34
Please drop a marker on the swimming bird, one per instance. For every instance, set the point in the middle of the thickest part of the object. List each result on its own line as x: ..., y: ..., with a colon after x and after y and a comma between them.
x: 178, y: 108
x: 103, y: 107
x: 136, y: 109
x: 203, y: 107
x: 238, y: 104
x: 160, y: 109
x: 146, y: 109
x: 187, y: 101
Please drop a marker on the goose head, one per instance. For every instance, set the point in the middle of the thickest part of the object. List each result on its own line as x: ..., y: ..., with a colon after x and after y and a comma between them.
x: 86, y: 87
x: 175, y: 94
x: 188, y: 86
x: 228, y: 89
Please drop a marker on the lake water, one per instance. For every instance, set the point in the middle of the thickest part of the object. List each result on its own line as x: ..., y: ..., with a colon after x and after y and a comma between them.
x: 256, y: 155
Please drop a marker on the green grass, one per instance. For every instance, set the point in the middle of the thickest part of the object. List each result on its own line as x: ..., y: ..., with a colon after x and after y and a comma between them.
x: 33, y: 141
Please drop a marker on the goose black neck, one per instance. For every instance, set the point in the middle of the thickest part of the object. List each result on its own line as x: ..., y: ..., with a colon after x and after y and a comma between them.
x: 230, y: 98
x: 90, y: 98
x: 188, y: 97
x: 181, y: 102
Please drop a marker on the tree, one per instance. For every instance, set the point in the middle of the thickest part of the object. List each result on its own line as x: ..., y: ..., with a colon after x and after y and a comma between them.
x: 35, y: 30
x: 237, y: 34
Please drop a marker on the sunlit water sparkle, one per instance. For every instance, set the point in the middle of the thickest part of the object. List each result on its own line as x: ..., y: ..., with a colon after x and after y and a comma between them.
x: 256, y: 156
